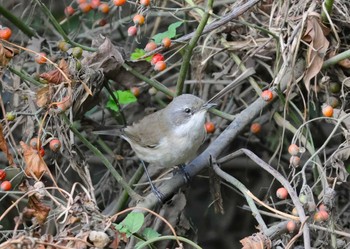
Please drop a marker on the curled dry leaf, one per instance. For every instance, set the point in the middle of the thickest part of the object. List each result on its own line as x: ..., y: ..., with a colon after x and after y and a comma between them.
x: 34, y: 162
x: 315, y: 34
x: 4, y: 148
x: 6, y: 53
x: 256, y: 241
x: 41, y: 210
x: 43, y: 96
x: 55, y: 76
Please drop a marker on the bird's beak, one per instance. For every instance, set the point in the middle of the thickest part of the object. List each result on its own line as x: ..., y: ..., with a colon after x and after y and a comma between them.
x: 208, y: 105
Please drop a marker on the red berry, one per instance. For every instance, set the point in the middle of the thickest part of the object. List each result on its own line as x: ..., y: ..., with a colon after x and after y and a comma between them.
x: 81, y: 1
x: 156, y: 58
x: 95, y: 3
x: 6, y: 185
x: 69, y: 10
x: 293, y: 149
x: 2, y: 174
x: 119, y: 2
x: 321, y: 215
x: 5, y: 33
x: 135, y: 90
x: 267, y: 95
x: 160, y: 66
x: 145, y: 2
x: 42, y: 152
x: 104, y: 8
x: 55, y: 145
x: 294, y: 161
x: 85, y: 7
x: 102, y: 22
x: 166, y: 42
x: 291, y: 225
x: 255, y: 128
x: 209, y: 127
x: 40, y: 58
x: 282, y: 193
x: 322, y: 207
x: 138, y: 19
x: 327, y: 111
x: 150, y: 46
x: 132, y: 31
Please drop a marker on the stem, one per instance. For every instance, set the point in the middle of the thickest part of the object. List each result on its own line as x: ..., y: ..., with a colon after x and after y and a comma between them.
x: 335, y: 59
x: 172, y: 237
x: 24, y: 76
x: 328, y: 4
x: 104, y: 160
x: 189, y: 49
x: 18, y: 22
x: 60, y: 29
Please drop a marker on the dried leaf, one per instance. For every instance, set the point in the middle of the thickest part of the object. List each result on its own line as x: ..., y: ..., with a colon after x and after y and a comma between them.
x: 4, y: 148
x: 34, y: 162
x: 344, y: 63
x: 55, y: 76
x: 6, y: 54
x: 256, y: 241
x: 41, y: 210
x: 315, y: 35
x: 43, y: 96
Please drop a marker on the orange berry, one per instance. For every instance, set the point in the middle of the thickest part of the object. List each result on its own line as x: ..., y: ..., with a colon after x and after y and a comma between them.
x: 282, y: 193
x: 104, y: 8
x: 156, y: 58
x: 55, y: 145
x: 138, y: 19
x: 294, y: 161
x: 267, y: 95
x: 132, y: 31
x: 5, y: 33
x: 6, y: 185
x: 145, y: 2
x: 85, y: 7
x: 95, y: 3
x: 69, y: 10
x: 81, y: 1
x: 34, y: 143
x: 255, y: 128
x: 327, y: 111
x: 321, y: 215
x: 150, y: 46
x: 119, y: 2
x: 166, y: 42
x: 2, y: 174
x: 209, y: 127
x: 160, y: 66
x: 291, y: 225
x: 293, y: 149
x: 40, y: 58
x: 135, y: 90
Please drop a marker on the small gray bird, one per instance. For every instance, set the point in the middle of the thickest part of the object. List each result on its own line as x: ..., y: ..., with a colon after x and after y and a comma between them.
x: 171, y: 136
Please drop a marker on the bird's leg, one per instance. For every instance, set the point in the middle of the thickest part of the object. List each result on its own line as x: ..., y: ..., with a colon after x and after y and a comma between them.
x: 182, y: 170
x: 155, y: 191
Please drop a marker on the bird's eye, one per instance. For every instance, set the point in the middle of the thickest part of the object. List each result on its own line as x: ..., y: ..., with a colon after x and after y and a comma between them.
x: 187, y: 110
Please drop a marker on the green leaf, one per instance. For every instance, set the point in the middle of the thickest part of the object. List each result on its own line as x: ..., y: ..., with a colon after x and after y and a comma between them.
x: 124, y: 97
x: 149, y: 233
x: 171, y: 32
x: 133, y: 222
x: 138, y: 53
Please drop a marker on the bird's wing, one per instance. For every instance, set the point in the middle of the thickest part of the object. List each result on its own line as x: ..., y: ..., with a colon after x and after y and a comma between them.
x: 147, y: 132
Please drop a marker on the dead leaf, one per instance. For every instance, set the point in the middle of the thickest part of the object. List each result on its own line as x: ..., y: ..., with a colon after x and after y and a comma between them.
x: 6, y: 54
x: 315, y: 34
x: 4, y: 148
x: 55, y: 76
x: 41, y: 210
x: 256, y: 241
x: 43, y: 96
x: 344, y: 63
x: 34, y: 162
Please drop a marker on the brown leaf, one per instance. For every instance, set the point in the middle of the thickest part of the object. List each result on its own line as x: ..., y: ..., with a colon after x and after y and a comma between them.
x: 55, y: 76
x: 4, y: 148
x: 315, y: 35
x: 41, y: 210
x: 6, y: 54
x: 256, y: 241
x: 344, y: 63
x: 34, y: 162
x: 43, y: 96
